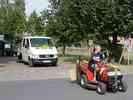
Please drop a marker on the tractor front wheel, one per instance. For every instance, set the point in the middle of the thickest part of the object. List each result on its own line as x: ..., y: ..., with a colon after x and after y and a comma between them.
x: 123, y: 86
x: 83, y: 81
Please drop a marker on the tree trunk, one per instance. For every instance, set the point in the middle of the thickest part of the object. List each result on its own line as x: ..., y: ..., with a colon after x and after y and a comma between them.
x: 64, y: 49
x: 114, y: 38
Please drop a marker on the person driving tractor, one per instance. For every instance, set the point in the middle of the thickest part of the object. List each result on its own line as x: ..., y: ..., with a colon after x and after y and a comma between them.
x: 96, y: 56
x: 99, y: 74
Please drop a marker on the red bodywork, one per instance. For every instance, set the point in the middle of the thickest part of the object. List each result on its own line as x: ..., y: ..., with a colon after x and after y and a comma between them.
x: 83, y: 68
x: 99, y: 79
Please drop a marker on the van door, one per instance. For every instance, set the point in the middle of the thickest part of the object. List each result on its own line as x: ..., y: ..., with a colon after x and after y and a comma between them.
x: 27, y: 45
x: 25, y: 51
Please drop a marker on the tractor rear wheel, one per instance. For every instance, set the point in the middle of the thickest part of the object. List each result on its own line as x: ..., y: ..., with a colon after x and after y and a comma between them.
x: 83, y: 81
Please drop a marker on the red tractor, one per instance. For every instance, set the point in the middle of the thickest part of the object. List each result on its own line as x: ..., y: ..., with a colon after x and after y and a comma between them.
x: 104, y: 78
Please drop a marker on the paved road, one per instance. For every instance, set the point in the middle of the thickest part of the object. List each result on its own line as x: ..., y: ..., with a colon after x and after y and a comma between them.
x: 7, y: 60
x: 56, y: 89
x: 20, y: 82
x: 10, y: 70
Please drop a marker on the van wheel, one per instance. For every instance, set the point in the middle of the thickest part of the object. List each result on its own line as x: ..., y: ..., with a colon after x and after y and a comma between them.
x: 31, y: 63
x: 54, y: 64
x: 19, y: 58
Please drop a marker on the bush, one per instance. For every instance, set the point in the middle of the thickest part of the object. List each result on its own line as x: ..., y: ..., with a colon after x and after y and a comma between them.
x: 74, y: 58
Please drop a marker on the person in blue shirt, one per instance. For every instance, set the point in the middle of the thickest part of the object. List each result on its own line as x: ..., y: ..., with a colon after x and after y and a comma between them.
x: 96, y: 56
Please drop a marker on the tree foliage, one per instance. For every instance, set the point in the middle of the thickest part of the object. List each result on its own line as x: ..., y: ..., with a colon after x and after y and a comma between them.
x: 75, y: 20
x: 35, y: 24
x: 12, y: 19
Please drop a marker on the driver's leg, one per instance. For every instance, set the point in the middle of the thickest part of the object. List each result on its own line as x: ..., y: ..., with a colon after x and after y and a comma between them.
x: 95, y: 72
x: 92, y: 65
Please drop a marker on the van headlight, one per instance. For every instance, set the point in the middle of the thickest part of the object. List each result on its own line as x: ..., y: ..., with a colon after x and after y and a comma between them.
x: 34, y: 56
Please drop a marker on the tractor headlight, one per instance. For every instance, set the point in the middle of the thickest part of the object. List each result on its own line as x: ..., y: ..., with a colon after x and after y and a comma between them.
x: 118, y: 73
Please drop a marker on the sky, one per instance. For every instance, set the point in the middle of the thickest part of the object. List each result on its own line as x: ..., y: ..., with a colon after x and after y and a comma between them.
x: 38, y: 5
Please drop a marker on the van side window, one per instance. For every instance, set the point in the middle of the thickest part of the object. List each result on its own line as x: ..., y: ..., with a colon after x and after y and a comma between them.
x: 27, y: 42
x: 24, y: 43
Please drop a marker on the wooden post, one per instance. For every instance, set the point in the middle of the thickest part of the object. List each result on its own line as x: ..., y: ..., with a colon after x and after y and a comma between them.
x: 128, y: 58
x: 126, y: 49
x: 122, y: 55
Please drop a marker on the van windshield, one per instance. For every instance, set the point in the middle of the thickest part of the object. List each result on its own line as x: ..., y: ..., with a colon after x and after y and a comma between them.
x: 41, y: 42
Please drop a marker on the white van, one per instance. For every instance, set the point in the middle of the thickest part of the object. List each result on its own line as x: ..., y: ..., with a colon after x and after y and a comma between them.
x: 38, y: 50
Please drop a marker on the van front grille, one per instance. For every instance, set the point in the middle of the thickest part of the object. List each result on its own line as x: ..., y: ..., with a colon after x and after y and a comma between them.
x: 46, y: 56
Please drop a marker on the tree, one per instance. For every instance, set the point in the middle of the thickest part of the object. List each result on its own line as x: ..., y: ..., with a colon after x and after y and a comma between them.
x: 116, y: 17
x: 35, y: 24
x: 20, y: 4
x: 12, y: 20
x: 45, y: 14
x: 75, y: 20
x: 60, y: 25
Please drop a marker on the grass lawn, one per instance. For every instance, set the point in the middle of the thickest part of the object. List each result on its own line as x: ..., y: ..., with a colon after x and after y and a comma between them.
x: 74, y: 55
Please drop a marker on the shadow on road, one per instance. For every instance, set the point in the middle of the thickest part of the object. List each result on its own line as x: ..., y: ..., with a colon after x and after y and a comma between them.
x: 6, y: 60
